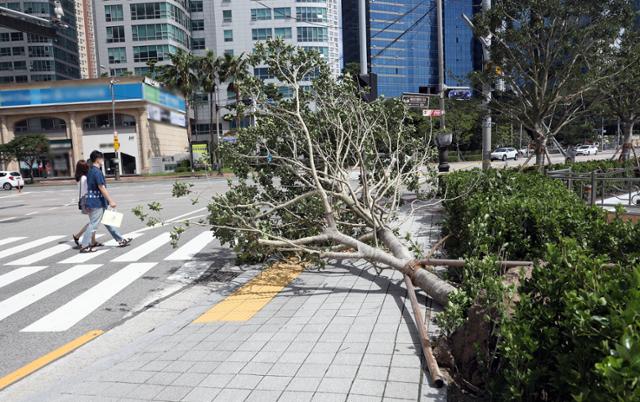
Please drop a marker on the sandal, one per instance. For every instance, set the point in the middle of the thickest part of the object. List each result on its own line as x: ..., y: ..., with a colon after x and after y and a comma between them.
x: 97, y: 245
x: 76, y: 240
x: 124, y: 242
x: 88, y: 249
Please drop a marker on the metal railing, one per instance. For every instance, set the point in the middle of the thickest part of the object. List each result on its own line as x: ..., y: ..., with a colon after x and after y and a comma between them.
x: 611, y: 188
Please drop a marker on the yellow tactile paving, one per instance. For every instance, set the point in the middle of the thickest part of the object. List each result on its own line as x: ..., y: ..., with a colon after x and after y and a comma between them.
x: 245, y: 302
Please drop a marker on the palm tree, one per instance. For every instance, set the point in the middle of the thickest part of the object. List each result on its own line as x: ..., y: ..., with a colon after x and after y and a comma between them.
x: 210, y: 75
x: 180, y: 76
x: 235, y: 69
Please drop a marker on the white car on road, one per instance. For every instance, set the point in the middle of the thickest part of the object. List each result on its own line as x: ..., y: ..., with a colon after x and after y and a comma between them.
x: 504, y: 153
x: 587, y: 150
x: 10, y: 180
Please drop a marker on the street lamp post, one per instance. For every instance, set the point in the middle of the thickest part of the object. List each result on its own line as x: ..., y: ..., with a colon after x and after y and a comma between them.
x: 443, y: 141
x: 116, y: 141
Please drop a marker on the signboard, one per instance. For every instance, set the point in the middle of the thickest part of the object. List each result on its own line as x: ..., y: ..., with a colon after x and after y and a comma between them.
x: 70, y: 95
x: 163, y: 98
x: 157, y: 113
x: 177, y: 119
x: 116, y: 143
x: 432, y: 112
x: 460, y: 94
x: 416, y: 99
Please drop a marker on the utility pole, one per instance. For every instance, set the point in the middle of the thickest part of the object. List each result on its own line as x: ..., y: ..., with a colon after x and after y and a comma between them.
x: 486, y: 96
x: 362, y: 17
x: 116, y: 141
x: 441, y: 72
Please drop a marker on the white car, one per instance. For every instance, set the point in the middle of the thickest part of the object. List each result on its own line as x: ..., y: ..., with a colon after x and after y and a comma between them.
x: 10, y: 180
x: 504, y: 153
x: 587, y: 150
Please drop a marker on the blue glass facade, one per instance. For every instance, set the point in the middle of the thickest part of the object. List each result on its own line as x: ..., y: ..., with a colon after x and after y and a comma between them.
x: 402, y: 48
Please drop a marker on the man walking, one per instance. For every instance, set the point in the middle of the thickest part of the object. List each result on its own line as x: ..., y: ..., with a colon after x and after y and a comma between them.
x: 98, y: 199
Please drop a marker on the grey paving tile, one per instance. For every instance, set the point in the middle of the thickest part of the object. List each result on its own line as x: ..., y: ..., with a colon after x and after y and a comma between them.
x: 284, y: 369
x: 335, y: 385
x: 178, y: 366
x: 319, y: 357
x: 341, y: 371
x: 190, y: 379
x: 204, y: 367
x: 267, y: 357
x: 349, y: 359
x: 156, y: 365
x: 119, y: 390
x: 245, y: 381
x: 405, y: 374
x: 261, y: 395
x: 371, y: 359
x: 367, y: 387
x: 241, y: 356
x: 326, y: 397
x: 232, y: 395
x: 173, y: 393
x: 378, y: 373
x: 293, y: 357
x: 401, y: 390
x: 146, y: 391
x: 216, y: 380
x: 163, y: 378
x: 293, y: 396
x: 201, y: 394
x: 405, y: 361
x: 364, y: 398
x: 274, y: 383
x: 229, y: 367
x: 256, y: 368
x: 307, y: 384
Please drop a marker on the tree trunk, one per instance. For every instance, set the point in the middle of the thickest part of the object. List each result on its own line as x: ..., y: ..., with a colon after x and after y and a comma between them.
x: 627, y: 130
x: 237, y: 109
x: 213, y: 148
x: 219, y: 156
x: 540, y: 141
x: 189, y: 133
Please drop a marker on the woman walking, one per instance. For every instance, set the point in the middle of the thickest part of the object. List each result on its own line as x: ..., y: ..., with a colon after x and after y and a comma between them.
x: 82, y: 168
x: 98, y: 199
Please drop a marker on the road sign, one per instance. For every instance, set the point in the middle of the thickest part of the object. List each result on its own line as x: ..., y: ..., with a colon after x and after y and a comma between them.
x: 432, y: 112
x: 416, y: 99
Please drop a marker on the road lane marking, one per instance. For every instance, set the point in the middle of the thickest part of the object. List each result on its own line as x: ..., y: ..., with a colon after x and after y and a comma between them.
x: 32, y: 213
x: 10, y: 240
x: 132, y: 235
x: 27, y: 297
x: 26, y: 246
x: 48, y: 358
x: 245, y: 302
x: 146, y: 248
x: 191, y: 248
x: 15, y: 195
x: 41, y: 255
x: 8, y: 219
x: 18, y: 274
x: 187, y: 214
x: 81, y: 258
x: 71, y: 313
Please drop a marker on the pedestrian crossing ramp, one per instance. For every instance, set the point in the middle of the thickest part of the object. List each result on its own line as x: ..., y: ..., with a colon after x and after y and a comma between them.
x: 57, y: 265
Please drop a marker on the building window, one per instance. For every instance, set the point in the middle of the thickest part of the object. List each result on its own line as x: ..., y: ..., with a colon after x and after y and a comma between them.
x: 16, y: 36
x: 142, y: 71
x: 324, y: 51
x: 117, y: 55
x: 22, y: 78
x: 263, y: 73
x: 41, y: 77
x: 227, y: 16
x: 6, y: 66
x: 113, y: 12
x: 261, y: 33
x: 260, y: 14
x: 197, y: 25
x: 148, y: 11
x: 229, y: 52
x: 4, y: 36
x: 284, y: 33
x: 41, y: 65
x: 19, y: 65
x: 228, y: 35
x: 18, y: 51
x: 5, y: 51
x: 115, y: 34
x: 119, y: 72
x: 159, y: 31
x: 152, y: 52
x: 197, y: 44
x: 312, y: 34
x: 282, y: 13
x: 40, y: 51
x: 195, y: 6
x: 311, y: 14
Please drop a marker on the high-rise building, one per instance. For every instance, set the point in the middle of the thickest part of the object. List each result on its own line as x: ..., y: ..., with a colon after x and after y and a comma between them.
x: 86, y: 39
x: 26, y: 57
x: 130, y: 34
x: 402, y: 46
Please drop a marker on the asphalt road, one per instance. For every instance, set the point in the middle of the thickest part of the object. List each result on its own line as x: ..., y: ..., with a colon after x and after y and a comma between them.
x: 555, y: 158
x: 50, y: 294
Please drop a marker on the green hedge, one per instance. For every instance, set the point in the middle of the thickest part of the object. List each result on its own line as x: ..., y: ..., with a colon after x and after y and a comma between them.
x: 575, y: 334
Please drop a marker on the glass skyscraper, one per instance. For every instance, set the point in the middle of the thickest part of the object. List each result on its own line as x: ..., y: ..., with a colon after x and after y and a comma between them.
x: 402, y: 43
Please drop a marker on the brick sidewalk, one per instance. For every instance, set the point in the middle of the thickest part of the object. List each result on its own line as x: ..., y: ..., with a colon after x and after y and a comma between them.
x: 344, y: 333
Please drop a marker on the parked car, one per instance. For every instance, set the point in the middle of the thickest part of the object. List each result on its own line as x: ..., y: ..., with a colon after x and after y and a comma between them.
x: 504, y: 153
x: 9, y: 180
x: 587, y: 150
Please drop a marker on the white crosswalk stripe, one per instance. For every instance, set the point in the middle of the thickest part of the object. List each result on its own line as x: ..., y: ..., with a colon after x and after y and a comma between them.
x: 29, y: 296
x: 10, y: 240
x: 146, y: 248
x: 132, y: 235
x: 29, y: 245
x: 41, y: 255
x: 191, y: 248
x: 71, y: 313
x: 17, y: 274
x: 81, y: 258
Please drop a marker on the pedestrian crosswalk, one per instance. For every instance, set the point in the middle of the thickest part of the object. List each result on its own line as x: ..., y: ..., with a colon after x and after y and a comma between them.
x: 52, y: 264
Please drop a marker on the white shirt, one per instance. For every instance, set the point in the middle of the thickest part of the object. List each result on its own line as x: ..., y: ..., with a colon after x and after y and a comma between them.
x: 83, y: 186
